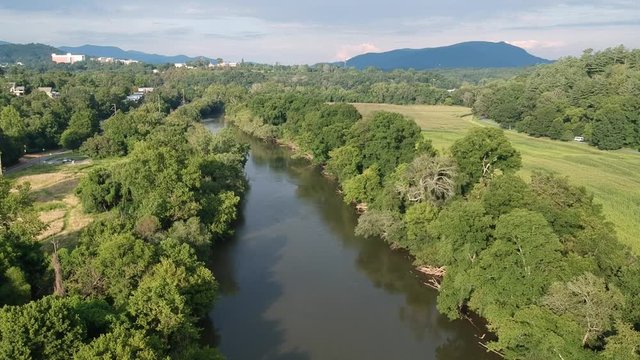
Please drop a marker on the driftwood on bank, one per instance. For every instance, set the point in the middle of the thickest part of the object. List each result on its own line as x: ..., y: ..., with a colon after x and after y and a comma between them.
x: 435, y: 273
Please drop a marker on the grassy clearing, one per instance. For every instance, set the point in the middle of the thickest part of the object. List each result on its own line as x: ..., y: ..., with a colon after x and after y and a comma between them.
x: 612, y: 176
x: 53, y: 188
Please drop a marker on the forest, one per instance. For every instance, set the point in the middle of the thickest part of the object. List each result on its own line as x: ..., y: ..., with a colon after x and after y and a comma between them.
x: 595, y: 96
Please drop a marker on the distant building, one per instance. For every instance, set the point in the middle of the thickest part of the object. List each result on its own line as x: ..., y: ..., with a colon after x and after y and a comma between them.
x: 223, y: 65
x: 67, y: 59
x: 16, y: 90
x: 104, y: 60
x: 156, y: 71
x: 135, y: 97
x: 451, y: 90
x: 49, y: 91
x: 145, y: 90
x: 179, y: 65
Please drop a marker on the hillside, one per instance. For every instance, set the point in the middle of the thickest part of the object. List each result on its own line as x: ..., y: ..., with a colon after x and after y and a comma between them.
x: 26, y: 53
x: 115, y: 52
x: 473, y: 54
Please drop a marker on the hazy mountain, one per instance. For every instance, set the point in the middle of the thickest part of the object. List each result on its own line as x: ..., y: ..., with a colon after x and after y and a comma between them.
x: 4, y: 42
x: 115, y: 52
x: 26, y: 53
x: 473, y: 54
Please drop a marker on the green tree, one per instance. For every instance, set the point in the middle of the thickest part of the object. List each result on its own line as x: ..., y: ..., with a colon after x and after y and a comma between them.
x: 609, y: 128
x: 481, y: 152
x: 344, y: 162
x: 45, y: 329
x: 518, y: 267
x: 589, y: 301
x: 386, y: 140
x: 99, y: 191
x: 81, y: 127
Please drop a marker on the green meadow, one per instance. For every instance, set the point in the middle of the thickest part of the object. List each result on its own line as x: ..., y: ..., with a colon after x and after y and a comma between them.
x: 612, y: 176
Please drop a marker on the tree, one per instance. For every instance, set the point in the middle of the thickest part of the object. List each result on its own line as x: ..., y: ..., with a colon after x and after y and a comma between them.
x: 481, y: 152
x: 363, y: 188
x: 81, y: 127
x: 385, y: 224
x: 12, y: 124
x: 344, y: 162
x: 588, y: 300
x: 45, y: 329
x: 517, y: 268
x: 99, y: 191
x: 609, y: 128
x: 386, y: 140
x: 121, y: 343
x: 625, y: 344
x: 428, y: 178
x: 536, y: 333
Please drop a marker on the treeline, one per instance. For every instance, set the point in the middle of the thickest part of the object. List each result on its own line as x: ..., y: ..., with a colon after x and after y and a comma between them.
x: 135, y: 285
x: 596, y: 96
x: 536, y: 259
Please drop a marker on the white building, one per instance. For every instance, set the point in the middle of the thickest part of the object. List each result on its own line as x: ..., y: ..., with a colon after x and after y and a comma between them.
x: 67, y: 59
x: 145, y: 90
x: 16, y: 90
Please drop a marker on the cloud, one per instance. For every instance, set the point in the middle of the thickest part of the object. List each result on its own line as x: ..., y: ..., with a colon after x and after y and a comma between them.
x: 346, y: 52
x: 537, y: 44
x: 293, y: 31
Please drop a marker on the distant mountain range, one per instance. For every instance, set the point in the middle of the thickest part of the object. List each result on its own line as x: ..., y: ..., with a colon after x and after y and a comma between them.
x: 473, y: 54
x: 115, y: 52
x: 25, y: 53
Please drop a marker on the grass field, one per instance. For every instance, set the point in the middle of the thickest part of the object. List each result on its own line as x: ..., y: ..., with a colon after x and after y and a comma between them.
x: 612, y: 176
x: 53, y: 189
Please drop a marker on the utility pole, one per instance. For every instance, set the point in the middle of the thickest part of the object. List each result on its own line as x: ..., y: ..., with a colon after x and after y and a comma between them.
x: 0, y: 163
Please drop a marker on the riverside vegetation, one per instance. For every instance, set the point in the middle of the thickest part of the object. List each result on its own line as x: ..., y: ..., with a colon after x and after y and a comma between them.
x: 135, y: 285
x: 536, y: 259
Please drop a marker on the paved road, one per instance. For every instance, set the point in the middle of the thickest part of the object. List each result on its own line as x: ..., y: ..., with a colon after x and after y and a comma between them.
x: 27, y: 163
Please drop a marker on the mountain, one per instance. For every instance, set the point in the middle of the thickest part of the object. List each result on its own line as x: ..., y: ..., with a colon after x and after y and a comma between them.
x: 473, y: 54
x: 4, y: 42
x: 115, y: 52
x: 26, y: 53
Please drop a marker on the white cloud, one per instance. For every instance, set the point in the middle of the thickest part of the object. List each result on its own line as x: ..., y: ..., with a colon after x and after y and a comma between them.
x: 537, y: 44
x: 346, y: 52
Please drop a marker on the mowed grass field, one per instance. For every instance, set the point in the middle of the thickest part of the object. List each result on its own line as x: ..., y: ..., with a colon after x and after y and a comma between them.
x: 612, y: 176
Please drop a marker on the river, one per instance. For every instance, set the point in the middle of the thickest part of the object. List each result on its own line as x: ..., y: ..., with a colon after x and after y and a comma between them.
x: 297, y: 284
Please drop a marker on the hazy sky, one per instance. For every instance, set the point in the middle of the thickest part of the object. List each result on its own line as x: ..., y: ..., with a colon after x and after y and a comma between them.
x: 298, y: 31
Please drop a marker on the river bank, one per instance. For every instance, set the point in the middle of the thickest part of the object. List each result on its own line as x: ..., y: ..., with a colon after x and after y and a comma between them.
x: 301, y: 281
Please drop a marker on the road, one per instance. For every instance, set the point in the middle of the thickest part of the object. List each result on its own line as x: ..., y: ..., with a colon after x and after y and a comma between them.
x: 33, y: 159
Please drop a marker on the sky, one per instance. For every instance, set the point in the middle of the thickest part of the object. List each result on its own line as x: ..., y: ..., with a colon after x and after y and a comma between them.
x: 308, y: 32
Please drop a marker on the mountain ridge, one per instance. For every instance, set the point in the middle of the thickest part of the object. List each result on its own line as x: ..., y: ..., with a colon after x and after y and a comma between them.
x: 470, y: 54
x: 118, y: 53
x: 26, y: 53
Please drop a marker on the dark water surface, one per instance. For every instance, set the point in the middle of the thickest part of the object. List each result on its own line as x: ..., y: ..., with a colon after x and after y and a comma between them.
x: 297, y: 284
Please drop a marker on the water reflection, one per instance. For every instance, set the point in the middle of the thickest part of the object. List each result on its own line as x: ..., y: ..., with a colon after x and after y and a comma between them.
x: 297, y: 283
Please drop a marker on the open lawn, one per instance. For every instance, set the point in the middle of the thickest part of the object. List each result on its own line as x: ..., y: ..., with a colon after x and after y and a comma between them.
x: 612, y: 176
